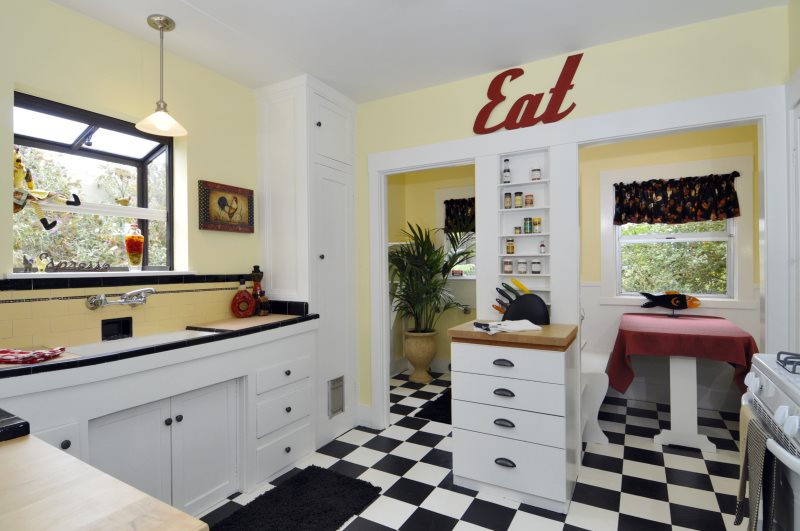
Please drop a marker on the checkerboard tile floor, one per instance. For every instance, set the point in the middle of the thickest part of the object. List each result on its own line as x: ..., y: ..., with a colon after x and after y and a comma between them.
x: 628, y: 484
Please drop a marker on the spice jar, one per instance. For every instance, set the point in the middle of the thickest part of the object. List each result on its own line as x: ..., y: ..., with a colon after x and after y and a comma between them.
x: 517, y: 230
x: 536, y: 174
x: 536, y: 266
x: 537, y: 225
x: 542, y: 247
x: 517, y: 199
x: 506, y: 172
x: 508, y: 266
x: 509, y: 245
x: 134, y: 247
x: 507, y: 200
x: 522, y: 266
x: 528, y: 200
x: 527, y: 225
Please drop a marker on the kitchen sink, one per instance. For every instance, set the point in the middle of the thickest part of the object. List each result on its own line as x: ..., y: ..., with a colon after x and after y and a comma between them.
x: 130, y: 343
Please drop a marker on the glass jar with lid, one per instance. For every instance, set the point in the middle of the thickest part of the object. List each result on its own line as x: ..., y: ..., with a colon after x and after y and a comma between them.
x: 510, y: 247
x: 517, y: 199
x: 536, y: 266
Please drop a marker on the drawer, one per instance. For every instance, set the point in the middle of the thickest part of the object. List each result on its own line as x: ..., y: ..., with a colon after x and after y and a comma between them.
x: 531, y: 468
x: 282, y: 373
x: 282, y: 410
x: 521, y: 363
x: 507, y: 392
x: 283, y: 451
x: 512, y: 423
x: 64, y: 437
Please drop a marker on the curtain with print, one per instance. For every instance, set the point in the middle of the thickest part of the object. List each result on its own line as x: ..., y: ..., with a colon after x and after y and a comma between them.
x: 459, y: 215
x: 673, y: 201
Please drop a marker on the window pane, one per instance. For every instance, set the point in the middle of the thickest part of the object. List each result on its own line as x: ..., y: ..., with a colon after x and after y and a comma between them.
x: 157, y: 183
x: 688, y: 267
x: 157, y: 244
x: 94, y: 181
x: 77, y: 237
x: 631, y: 229
x: 120, y: 144
x: 39, y: 125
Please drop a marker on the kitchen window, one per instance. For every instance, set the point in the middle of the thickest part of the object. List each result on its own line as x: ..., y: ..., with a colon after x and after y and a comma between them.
x: 120, y: 174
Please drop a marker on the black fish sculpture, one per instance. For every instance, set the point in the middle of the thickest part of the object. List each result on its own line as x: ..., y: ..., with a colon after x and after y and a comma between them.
x: 671, y: 300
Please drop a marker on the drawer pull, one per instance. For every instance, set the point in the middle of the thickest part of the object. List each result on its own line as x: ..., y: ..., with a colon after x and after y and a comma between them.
x: 505, y: 423
x: 287, y: 372
x: 287, y: 449
x: 508, y: 463
x: 288, y: 409
x: 503, y: 363
x: 65, y: 444
x: 504, y: 392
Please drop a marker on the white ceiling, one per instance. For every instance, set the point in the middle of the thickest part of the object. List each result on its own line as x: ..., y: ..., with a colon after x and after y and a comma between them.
x: 369, y: 49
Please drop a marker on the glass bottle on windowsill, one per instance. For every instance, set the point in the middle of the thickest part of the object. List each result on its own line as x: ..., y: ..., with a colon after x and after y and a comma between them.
x: 134, y: 247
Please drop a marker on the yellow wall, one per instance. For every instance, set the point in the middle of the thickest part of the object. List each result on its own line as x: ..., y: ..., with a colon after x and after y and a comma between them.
x: 794, y: 35
x: 735, y: 53
x: 411, y: 198
x: 670, y: 149
x: 58, y: 54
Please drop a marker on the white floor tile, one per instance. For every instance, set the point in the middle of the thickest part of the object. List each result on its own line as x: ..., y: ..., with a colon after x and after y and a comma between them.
x: 413, y: 402
x: 615, y: 427
x: 592, y: 518
x: 433, y: 389
x: 719, y: 433
x: 445, y: 444
x: 364, y: 456
x: 394, y: 418
x: 405, y: 391
x: 398, y: 432
x: 644, y: 471
x: 700, y: 499
x: 396, y: 383
x: 355, y: 436
x: 681, y: 462
x: 651, y: 406
x: 644, y: 422
x: 246, y: 498
x: 528, y: 522
x: 725, y: 485
x: 321, y: 460
x: 600, y: 478
x: 722, y: 456
x: 613, y: 408
x: 609, y: 450
x: 437, y: 427
x: 411, y: 451
x: 645, y: 508
x: 380, y: 479
x: 466, y: 526
x: 425, y: 473
x: 644, y: 443
x: 389, y: 512
x: 447, y: 502
x: 497, y: 500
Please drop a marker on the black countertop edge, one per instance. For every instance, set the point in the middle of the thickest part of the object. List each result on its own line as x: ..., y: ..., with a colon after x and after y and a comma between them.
x: 52, y: 281
x: 86, y: 361
x: 12, y: 426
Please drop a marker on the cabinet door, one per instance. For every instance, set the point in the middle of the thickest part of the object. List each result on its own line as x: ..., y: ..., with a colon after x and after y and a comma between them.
x: 64, y: 437
x: 134, y: 446
x: 333, y: 130
x: 204, y: 439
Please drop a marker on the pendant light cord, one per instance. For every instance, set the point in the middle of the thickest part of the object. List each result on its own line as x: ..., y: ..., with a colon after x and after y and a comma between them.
x: 161, y: 62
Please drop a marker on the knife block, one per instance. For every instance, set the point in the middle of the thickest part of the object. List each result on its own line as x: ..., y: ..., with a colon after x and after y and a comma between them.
x: 528, y: 306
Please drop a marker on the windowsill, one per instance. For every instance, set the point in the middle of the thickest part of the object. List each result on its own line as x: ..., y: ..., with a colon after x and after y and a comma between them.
x: 732, y: 304
x: 96, y: 274
x: 463, y: 277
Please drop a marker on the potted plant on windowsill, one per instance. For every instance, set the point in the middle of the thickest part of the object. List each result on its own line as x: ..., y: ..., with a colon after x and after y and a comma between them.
x: 419, y: 270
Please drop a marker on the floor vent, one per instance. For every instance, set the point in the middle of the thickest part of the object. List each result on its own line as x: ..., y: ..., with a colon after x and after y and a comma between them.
x: 335, y: 396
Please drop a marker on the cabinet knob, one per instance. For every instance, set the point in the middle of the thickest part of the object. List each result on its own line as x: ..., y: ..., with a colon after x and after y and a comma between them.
x: 319, y: 124
x: 288, y: 409
x: 504, y: 392
x: 508, y: 463
x: 179, y: 418
x: 287, y: 372
x: 505, y: 423
x: 65, y: 444
x: 503, y: 363
x: 287, y: 449
x: 168, y: 422
x: 322, y: 257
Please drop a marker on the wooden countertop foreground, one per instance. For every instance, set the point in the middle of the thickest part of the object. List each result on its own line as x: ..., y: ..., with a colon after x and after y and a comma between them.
x: 550, y: 337
x: 43, y: 488
x: 245, y: 322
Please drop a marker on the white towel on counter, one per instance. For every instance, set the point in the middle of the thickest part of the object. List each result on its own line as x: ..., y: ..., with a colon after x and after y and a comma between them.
x: 522, y: 325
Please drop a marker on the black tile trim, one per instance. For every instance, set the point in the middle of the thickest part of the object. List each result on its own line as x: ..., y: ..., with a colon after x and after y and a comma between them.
x: 135, y: 353
x: 12, y: 426
x: 53, y: 282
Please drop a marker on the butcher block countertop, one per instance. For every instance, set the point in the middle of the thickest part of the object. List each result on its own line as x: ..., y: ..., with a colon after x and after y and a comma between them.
x: 233, y: 324
x: 43, y: 488
x: 550, y: 337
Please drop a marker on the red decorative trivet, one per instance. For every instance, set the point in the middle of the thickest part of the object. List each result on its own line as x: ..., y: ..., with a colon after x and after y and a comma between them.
x: 12, y: 355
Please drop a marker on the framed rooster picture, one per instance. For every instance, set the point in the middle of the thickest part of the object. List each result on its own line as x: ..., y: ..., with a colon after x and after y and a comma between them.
x: 224, y: 207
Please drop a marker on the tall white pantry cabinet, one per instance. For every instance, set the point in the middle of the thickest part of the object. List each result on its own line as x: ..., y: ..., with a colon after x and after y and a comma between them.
x: 305, y: 145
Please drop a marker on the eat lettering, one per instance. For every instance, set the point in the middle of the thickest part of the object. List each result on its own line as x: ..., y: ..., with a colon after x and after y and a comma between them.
x: 523, y: 111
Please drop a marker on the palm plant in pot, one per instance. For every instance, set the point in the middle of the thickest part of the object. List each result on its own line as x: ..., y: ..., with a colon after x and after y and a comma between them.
x: 419, y: 271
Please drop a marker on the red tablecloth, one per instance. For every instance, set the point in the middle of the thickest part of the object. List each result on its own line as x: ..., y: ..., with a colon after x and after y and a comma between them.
x: 694, y: 336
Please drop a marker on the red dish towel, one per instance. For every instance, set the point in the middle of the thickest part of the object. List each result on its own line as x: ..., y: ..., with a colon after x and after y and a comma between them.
x: 12, y: 355
x: 694, y: 336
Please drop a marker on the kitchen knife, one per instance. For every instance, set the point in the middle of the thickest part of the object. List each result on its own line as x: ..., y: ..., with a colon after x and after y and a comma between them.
x: 520, y: 285
x: 504, y: 294
x: 502, y: 303
x: 511, y: 290
x: 498, y: 308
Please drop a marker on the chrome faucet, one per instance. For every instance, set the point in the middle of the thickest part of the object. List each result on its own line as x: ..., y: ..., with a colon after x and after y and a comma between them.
x: 132, y: 298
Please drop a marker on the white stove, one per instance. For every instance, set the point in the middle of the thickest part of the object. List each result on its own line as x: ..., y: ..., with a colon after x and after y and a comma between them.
x: 773, y: 391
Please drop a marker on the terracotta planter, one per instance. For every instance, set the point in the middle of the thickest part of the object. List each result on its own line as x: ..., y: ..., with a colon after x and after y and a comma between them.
x: 420, y: 349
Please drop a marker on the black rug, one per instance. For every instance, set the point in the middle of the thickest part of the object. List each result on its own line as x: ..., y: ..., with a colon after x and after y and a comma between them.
x: 315, y: 499
x: 438, y: 410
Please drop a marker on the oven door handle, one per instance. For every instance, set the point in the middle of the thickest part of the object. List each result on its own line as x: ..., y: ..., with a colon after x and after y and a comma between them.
x: 783, y: 456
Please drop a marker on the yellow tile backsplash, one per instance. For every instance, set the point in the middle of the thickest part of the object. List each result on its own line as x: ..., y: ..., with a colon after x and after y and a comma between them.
x: 60, y: 316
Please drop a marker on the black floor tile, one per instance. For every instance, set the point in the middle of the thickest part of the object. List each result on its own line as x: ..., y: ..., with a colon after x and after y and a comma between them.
x: 646, y: 413
x: 401, y: 376
x: 425, y: 520
x: 692, y: 518
x: 220, y: 513
x: 425, y: 439
x: 682, y: 450
x: 727, y: 504
x: 615, y: 401
x: 641, y: 431
x: 382, y: 444
x: 596, y: 496
x: 729, y: 415
x: 425, y: 395
x: 393, y: 398
x: 489, y: 515
x: 724, y: 444
x: 348, y: 469
x: 685, y: 478
x: 725, y: 470
x: 337, y: 449
x: 409, y: 491
x: 362, y: 524
x: 655, y: 490
x: 412, y: 385
x: 611, y: 417
x: 399, y: 409
x: 644, y: 456
x: 393, y: 464
x: 287, y: 475
x: 615, y: 438
x: 603, y: 462
x: 633, y: 523
x: 368, y: 430
x: 544, y: 513
x: 438, y: 457
x: 234, y: 495
x: 440, y: 383
x: 411, y: 423
x: 711, y: 423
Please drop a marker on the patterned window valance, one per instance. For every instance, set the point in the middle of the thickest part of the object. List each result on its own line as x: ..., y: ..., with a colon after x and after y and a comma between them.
x: 674, y: 201
x: 459, y: 215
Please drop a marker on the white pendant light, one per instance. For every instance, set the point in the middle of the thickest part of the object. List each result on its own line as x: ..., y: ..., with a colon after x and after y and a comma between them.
x: 160, y: 122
